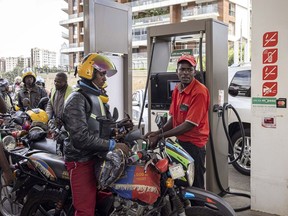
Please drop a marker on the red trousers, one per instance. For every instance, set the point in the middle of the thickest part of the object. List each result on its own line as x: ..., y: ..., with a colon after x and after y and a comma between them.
x: 83, y: 186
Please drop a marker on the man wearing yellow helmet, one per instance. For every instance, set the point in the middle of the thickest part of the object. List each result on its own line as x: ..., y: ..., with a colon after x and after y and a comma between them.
x: 86, y: 141
x: 31, y: 91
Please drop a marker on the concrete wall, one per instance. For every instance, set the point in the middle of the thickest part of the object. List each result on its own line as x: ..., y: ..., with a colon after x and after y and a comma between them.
x: 269, y: 173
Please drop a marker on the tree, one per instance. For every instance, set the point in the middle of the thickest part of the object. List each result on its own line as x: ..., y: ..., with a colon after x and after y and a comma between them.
x: 230, y: 56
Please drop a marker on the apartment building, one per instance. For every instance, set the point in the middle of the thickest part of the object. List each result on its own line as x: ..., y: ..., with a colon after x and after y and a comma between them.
x: 10, y: 63
x: 235, y: 13
x: 2, y: 65
x: 41, y: 58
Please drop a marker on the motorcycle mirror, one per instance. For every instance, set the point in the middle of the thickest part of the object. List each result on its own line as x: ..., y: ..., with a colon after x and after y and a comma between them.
x: 115, y: 115
x: 133, y: 135
x: 43, y: 103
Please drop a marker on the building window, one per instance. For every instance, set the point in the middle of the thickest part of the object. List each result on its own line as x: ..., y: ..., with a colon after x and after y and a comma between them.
x: 231, y: 28
x: 231, y: 9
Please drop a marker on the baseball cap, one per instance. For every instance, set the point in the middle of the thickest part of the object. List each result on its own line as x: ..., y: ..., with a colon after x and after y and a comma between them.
x: 188, y: 58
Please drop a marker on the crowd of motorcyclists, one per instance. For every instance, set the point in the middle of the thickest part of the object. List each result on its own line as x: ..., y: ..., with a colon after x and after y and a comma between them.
x: 78, y: 111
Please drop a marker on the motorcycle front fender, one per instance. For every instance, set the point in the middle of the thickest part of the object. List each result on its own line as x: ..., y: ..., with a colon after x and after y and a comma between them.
x: 193, y: 193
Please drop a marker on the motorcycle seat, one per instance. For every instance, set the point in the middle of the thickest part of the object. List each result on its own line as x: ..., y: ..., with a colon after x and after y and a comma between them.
x: 46, y: 144
x: 51, y: 165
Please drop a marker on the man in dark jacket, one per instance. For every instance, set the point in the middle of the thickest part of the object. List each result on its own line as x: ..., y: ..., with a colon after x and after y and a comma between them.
x: 30, y: 95
x: 85, y: 141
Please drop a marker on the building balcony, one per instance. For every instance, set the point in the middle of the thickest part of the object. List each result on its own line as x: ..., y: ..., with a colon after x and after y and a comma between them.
x: 73, y: 48
x: 65, y: 35
x: 204, y: 12
x: 151, y: 21
x: 139, y: 40
x: 143, y: 5
x: 74, y: 18
x: 65, y: 10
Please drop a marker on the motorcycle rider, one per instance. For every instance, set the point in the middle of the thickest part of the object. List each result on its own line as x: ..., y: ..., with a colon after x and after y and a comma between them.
x: 4, y: 164
x: 30, y: 95
x: 59, y: 94
x: 4, y: 91
x: 41, y: 83
x: 85, y: 142
x: 16, y: 87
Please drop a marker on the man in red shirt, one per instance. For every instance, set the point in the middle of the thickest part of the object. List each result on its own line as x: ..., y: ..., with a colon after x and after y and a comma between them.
x: 189, y: 120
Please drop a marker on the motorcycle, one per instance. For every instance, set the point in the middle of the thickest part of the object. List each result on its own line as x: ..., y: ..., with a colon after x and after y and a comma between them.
x: 18, y: 145
x: 149, y: 182
x: 28, y: 173
x: 154, y: 182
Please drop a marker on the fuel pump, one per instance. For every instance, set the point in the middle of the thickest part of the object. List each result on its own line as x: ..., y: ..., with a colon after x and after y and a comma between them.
x: 215, y: 36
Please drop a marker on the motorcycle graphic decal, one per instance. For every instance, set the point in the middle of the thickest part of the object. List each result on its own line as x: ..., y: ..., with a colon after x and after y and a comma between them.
x: 43, y: 167
x: 137, y: 184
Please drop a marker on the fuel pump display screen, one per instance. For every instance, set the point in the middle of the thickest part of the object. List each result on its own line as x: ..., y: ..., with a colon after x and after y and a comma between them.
x: 171, y: 85
x: 162, y: 86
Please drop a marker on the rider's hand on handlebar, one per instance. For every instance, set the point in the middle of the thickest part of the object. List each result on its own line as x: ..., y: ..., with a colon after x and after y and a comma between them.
x: 127, y: 123
x: 123, y: 147
x: 153, y: 139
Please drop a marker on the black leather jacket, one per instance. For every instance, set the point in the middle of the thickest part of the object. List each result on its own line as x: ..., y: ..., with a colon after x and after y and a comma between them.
x: 34, y: 95
x: 83, y: 143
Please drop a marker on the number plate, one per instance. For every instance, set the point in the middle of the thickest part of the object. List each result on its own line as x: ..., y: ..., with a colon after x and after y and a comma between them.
x: 176, y: 171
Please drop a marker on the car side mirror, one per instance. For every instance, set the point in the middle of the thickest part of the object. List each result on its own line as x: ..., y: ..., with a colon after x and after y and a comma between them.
x: 233, y: 92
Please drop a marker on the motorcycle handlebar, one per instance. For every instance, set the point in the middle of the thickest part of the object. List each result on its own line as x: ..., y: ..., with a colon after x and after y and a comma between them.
x: 138, y: 156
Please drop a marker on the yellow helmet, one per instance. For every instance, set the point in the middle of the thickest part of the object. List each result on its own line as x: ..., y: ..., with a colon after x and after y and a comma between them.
x: 38, y: 115
x: 95, y: 61
x: 28, y: 72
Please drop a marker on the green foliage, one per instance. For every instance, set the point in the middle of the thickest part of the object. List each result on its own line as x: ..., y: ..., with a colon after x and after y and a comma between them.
x: 10, y: 76
x: 151, y: 13
x: 230, y: 56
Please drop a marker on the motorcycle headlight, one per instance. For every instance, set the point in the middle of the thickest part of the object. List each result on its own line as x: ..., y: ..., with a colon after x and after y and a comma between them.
x: 190, y: 173
x: 9, y: 143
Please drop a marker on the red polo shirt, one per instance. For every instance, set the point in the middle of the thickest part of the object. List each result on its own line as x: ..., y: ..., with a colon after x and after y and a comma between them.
x: 192, y: 105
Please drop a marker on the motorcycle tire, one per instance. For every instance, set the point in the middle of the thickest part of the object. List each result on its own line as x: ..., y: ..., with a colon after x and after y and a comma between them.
x: 39, y: 204
x: 201, y: 211
x: 8, y: 206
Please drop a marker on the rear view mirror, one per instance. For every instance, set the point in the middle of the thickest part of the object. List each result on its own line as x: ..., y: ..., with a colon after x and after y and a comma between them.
x: 115, y: 115
x: 233, y: 92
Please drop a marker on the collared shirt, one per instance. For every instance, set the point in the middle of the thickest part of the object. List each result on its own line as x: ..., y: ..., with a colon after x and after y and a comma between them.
x: 192, y: 105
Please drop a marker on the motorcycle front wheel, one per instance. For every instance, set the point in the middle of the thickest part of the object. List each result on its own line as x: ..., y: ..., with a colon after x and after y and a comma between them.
x: 44, y: 204
x: 201, y: 211
x: 8, y: 206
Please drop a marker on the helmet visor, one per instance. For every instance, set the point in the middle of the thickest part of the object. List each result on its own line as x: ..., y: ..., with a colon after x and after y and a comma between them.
x: 102, y: 63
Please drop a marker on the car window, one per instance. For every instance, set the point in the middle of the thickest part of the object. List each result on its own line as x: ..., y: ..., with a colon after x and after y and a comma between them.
x: 242, y: 83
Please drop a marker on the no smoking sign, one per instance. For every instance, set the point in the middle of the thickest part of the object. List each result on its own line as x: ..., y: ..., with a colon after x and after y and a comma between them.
x: 269, y: 89
x: 270, y: 39
x: 270, y: 72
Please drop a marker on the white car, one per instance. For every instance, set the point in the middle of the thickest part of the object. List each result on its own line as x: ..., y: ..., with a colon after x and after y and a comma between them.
x: 137, y: 103
x: 239, y: 97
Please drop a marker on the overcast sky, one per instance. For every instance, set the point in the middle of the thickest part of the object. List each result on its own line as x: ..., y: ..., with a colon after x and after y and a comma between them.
x: 26, y: 24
